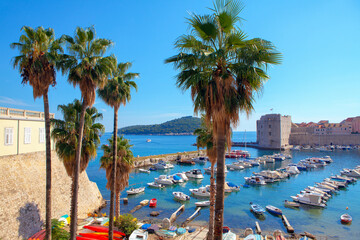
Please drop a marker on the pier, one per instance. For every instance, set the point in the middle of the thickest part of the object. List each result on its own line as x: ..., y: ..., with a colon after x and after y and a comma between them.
x: 258, y: 229
x: 287, y: 225
x: 192, y: 217
x: 174, y: 215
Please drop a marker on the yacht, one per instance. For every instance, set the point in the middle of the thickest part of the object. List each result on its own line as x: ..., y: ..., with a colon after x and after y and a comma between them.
x: 200, y: 192
x: 195, y: 173
x: 163, y: 179
x: 161, y: 165
x: 175, y: 178
x: 350, y: 173
x: 255, y: 180
x: 201, y: 160
x: 183, y: 176
x: 312, y: 199
x: 208, y: 170
x: 235, y: 166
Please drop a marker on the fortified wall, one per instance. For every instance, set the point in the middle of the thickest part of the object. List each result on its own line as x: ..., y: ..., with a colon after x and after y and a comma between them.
x: 22, y: 191
x: 321, y: 140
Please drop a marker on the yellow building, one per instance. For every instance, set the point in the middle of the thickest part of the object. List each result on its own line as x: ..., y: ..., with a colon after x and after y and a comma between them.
x: 22, y: 131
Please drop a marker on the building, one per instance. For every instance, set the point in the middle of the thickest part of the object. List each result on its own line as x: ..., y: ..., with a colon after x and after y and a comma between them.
x: 273, y: 131
x: 21, y: 131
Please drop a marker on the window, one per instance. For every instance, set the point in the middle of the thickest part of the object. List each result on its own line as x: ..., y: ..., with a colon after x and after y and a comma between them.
x: 269, y: 133
x: 41, y: 135
x: 269, y: 126
x: 9, y: 132
x: 27, y: 137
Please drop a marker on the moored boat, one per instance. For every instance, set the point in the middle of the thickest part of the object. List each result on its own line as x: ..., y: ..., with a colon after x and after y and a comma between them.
x: 144, y: 170
x: 139, y: 235
x: 345, y: 218
x: 256, y: 208
x: 274, y: 210
x: 200, y: 192
x: 133, y: 191
x: 163, y: 179
x: 194, y: 173
x: 291, y: 204
x: 156, y: 185
x: 181, y: 196
x: 153, y: 202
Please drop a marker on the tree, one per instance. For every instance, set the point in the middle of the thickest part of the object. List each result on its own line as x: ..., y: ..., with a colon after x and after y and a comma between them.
x: 89, y: 70
x: 117, y: 91
x: 65, y: 133
x: 224, y: 71
x: 205, y: 139
x: 39, y: 54
x: 124, y: 165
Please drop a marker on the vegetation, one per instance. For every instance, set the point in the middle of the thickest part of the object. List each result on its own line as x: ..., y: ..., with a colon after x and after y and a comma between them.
x: 39, y: 54
x: 57, y: 230
x: 117, y: 91
x: 89, y: 70
x: 184, y: 125
x: 224, y: 70
x: 126, y: 224
x: 124, y: 165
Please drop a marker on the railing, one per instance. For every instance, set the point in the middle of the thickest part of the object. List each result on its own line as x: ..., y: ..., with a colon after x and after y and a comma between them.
x: 19, y: 113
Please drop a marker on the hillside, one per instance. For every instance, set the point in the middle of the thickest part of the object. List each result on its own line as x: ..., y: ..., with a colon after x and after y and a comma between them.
x: 180, y: 126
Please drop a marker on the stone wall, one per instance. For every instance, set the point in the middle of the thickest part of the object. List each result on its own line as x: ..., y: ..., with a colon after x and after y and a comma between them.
x: 315, y: 140
x: 22, y: 189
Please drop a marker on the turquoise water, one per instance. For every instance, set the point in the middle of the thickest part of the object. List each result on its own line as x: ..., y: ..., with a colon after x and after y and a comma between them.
x: 236, y: 214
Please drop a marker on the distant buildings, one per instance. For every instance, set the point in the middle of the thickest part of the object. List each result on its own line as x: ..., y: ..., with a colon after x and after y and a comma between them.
x: 275, y: 131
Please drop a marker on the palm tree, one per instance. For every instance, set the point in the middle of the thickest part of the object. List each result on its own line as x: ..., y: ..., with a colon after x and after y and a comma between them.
x: 39, y: 53
x: 117, y: 92
x: 124, y: 165
x: 224, y: 71
x: 89, y: 70
x: 205, y: 139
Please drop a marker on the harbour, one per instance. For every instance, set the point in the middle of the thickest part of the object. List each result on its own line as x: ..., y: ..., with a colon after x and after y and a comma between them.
x: 321, y: 222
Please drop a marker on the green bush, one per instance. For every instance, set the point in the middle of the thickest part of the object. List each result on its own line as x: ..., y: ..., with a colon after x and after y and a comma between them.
x: 126, y: 224
x: 57, y: 232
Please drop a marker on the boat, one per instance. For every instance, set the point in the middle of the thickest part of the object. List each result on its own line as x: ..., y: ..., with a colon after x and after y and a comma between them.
x: 183, y: 176
x: 208, y: 170
x: 185, y: 162
x: 39, y: 235
x: 274, y: 210
x: 200, y: 192
x: 181, y: 196
x: 233, y: 187
x: 144, y: 170
x: 291, y: 204
x: 133, y: 191
x: 201, y: 160
x: 100, y: 235
x: 156, y: 185
x: 253, y: 237
x: 181, y: 231
x: 162, y: 233
x: 103, y: 229
x: 309, y: 199
x: 144, y: 202
x: 194, y: 173
x: 163, y: 179
x: 350, y: 173
x: 345, y: 218
x: 153, y: 202
x: 138, y: 235
x: 175, y: 178
x: 235, y: 166
x: 202, y: 204
x: 255, y: 180
x: 229, y: 236
x: 257, y: 208
x: 161, y: 165
x: 148, y: 140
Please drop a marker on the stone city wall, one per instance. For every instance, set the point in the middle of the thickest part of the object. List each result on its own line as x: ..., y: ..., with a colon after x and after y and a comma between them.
x: 315, y: 140
x: 22, y: 189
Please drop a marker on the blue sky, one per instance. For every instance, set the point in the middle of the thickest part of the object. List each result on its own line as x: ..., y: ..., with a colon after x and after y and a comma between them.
x: 318, y: 78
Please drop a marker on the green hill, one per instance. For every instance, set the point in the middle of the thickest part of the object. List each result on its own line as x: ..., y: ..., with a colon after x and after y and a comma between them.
x: 180, y: 126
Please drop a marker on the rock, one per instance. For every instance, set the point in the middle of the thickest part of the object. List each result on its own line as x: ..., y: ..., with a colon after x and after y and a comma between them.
x: 166, y: 223
x: 154, y: 214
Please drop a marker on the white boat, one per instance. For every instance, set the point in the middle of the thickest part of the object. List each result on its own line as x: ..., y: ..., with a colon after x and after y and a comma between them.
x: 327, y: 159
x: 133, y: 191
x: 269, y: 160
x: 156, y: 185
x: 144, y: 170
x: 161, y: 165
x: 309, y: 199
x: 183, y: 176
x: 229, y: 236
x: 255, y: 180
x: 208, y: 170
x: 176, y: 179
x: 144, y: 202
x: 202, y: 204
x: 292, y: 170
x: 201, y: 160
x: 148, y: 140
x: 235, y: 166
x: 194, y: 173
x: 139, y: 235
x: 350, y: 173
x: 200, y: 192
x: 163, y: 179
x: 181, y: 196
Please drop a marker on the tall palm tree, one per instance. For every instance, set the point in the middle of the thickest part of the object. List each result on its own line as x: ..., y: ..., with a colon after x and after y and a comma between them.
x: 89, y: 70
x: 117, y: 91
x: 205, y: 139
x: 39, y: 53
x: 224, y: 71
x: 124, y: 165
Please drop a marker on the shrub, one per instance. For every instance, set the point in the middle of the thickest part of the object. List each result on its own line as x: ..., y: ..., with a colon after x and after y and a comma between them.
x: 126, y: 223
x: 57, y: 232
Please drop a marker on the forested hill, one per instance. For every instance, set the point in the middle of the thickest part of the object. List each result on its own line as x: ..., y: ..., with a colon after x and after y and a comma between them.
x: 180, y: 126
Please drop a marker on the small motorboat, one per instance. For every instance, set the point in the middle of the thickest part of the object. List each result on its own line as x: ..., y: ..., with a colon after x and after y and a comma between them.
x: 274, y: 210
x: 185, y: 162
x: 202, y: 204
x: 345, y: 218
x: 163, y: 179
x: 139, y: 235
x: 257, y: 208
x: 200, y: 192
x: 133, y: 191
x: 153, y: 203
x: 233, y: 187
x: 144, y: 170
x: 156, y: 185
x: 144, y: 202
x: 195, y: 173
x: 148, y: 140
x: 181, y: 196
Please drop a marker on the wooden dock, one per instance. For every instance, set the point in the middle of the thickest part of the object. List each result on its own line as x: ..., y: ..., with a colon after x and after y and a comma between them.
x: 258, y: 229
x: 287, y: 225
x: 192, y: 217
x: 174, y: 215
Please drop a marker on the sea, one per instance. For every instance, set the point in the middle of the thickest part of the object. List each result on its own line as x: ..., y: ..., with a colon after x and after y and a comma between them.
x: 237, y: 214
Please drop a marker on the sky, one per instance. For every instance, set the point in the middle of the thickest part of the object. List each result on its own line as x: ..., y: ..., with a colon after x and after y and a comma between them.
x: 318, y: 78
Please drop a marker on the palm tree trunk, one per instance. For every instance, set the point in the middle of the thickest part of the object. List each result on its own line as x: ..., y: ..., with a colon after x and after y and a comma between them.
x: 111, y: 220
x: 210, y: 235
x: 220, y: 182
x: 48, y: 167
x: 74, y: 199
x: 117, y: 204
